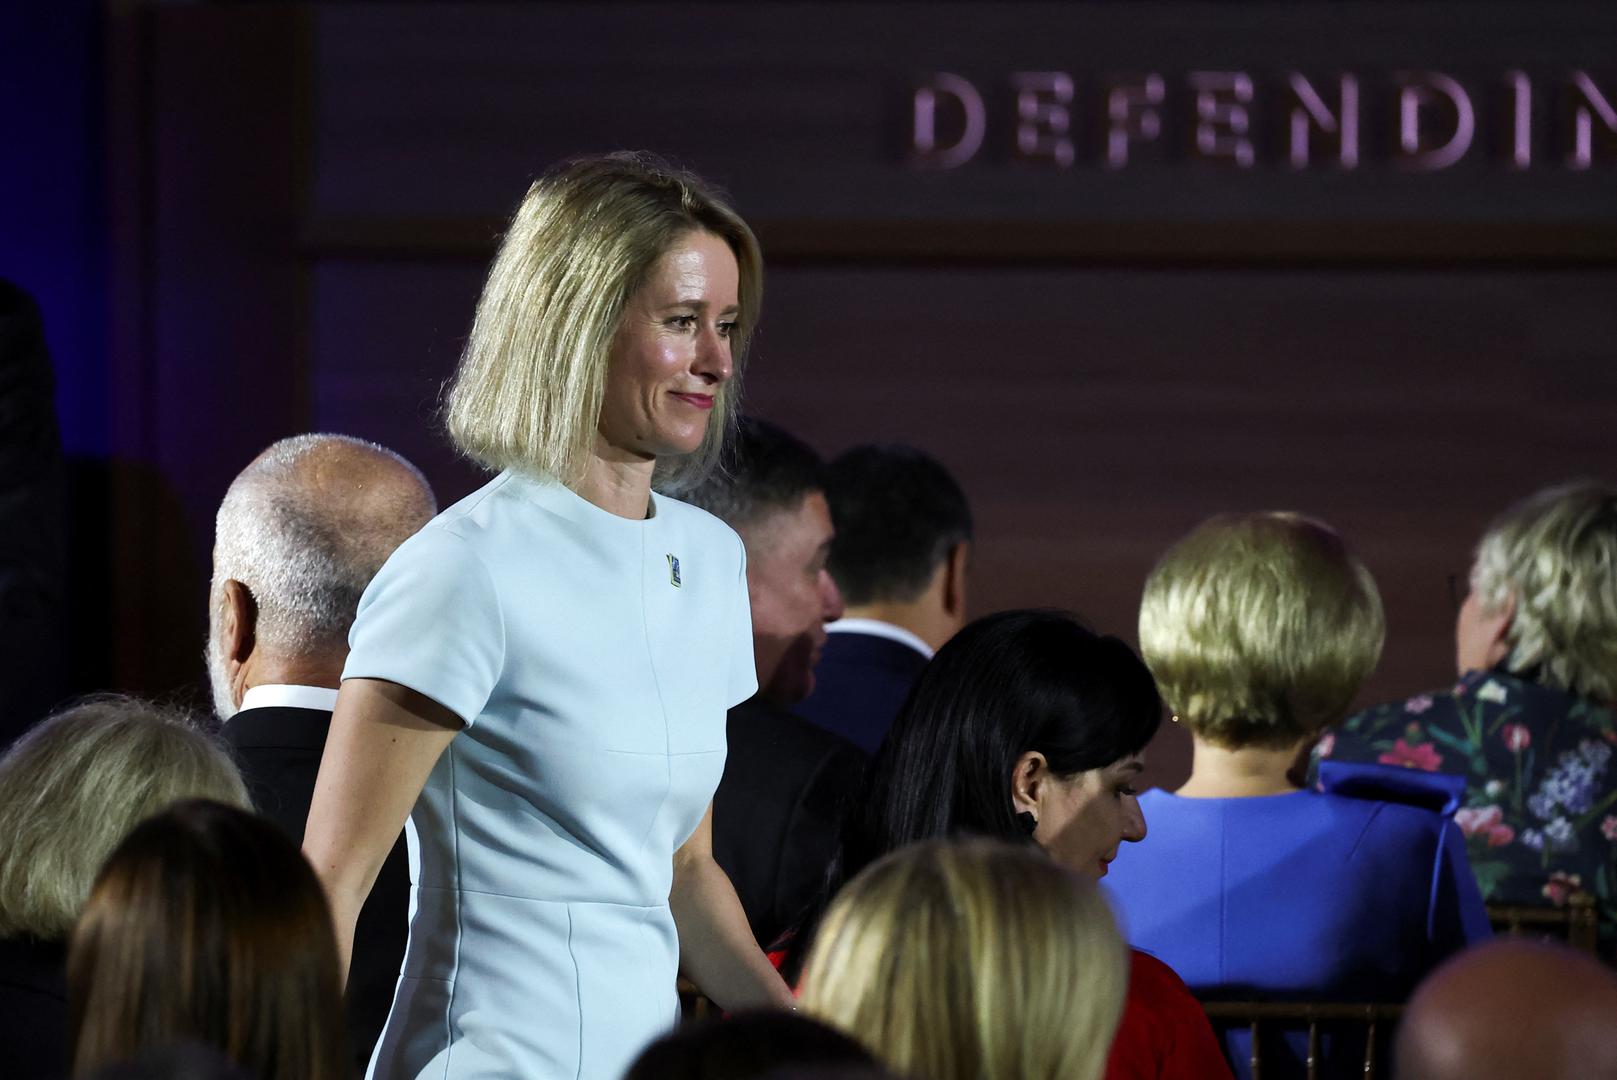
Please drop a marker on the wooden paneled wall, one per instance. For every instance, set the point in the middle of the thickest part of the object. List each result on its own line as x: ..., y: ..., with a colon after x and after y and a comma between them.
x: 312, y: 195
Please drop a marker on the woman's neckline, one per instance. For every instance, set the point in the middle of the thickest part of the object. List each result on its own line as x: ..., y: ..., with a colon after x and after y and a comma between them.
x: 558, y: 497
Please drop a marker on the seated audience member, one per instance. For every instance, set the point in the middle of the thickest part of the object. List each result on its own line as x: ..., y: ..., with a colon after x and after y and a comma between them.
x: 300, y: 533
x: 899, y: 558
x: 958, y: 961
x: 1530, y: 725
x: 70, y: 789
x: 206, y: 925
x: 1028, y: 728
x: 1512, y: 1009
x: 1260, y: 628
x: 746, y: 1046
x: 780, y: 803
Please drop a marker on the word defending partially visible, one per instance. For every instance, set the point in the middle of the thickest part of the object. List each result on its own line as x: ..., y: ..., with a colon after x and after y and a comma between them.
x: 1423, y: 121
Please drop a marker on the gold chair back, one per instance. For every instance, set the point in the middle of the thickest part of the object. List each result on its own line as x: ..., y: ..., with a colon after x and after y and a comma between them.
x: 1578, y: 923
x: 1377, y: 1020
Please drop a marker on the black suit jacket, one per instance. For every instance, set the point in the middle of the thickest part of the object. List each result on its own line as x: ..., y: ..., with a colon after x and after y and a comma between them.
x: 860, y: 684
x: 778, y: 811
x: 279, y: 750
x: 33, y: 1009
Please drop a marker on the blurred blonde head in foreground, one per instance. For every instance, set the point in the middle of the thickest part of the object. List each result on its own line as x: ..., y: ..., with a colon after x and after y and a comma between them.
x: 962, y: 960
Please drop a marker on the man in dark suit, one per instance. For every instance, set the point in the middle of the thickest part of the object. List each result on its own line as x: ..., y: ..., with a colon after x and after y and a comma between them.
x: 299, y: 535
x: 786, y: 785
x: 903, y: 534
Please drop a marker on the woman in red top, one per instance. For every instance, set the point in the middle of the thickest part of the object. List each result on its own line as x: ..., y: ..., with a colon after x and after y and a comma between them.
x: 1029, y: 727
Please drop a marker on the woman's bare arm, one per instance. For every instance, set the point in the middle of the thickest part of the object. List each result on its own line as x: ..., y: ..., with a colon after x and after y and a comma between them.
x: 716, y: 947
x: 384, y: 740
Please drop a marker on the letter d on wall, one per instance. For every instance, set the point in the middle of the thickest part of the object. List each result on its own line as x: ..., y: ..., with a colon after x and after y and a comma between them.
x: 1418, y: 97
x: 949, y: 93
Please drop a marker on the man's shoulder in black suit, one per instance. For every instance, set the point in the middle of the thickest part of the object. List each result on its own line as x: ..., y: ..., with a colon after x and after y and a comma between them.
x: 860, y: 684
x: 757, y: 726
x: 278, y: 748
x: 779, y: 808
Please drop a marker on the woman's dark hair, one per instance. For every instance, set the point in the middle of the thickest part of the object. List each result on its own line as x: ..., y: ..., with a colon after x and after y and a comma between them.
x: 1006, y: 684
x: 207, y: 926
x: 746, y: 1046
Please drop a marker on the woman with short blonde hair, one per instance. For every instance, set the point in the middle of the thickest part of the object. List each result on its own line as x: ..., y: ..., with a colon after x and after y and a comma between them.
x: 533, y: 376
x: 965, y: 960
x: 1260, y: 630
x: 70, y: 790
x: 538, y: 678
x: 74, y: 785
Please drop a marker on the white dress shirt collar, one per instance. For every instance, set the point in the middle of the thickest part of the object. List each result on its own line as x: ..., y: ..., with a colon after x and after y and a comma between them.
x: 271, y: 695
x: 877, y: 628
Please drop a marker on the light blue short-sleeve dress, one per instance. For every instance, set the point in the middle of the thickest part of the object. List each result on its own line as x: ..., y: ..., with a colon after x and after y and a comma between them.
x: 592, y: 659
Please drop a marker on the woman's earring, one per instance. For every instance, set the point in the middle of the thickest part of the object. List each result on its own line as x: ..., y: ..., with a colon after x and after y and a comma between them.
x: 1027, y: 821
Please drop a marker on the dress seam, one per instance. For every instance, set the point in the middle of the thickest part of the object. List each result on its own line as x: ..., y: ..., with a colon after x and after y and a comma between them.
x: 477, y: 498
x: 1364, y: 831
x: 1435, y: 887
x: 662, y: 703
x: 1223, y: 892
x: 578, y: 995
x: 454, y: 967
x: 539, y: 899
x: 665, y: 753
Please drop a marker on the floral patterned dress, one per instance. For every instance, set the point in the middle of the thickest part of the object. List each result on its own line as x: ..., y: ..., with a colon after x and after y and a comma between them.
x: 1540, y: 810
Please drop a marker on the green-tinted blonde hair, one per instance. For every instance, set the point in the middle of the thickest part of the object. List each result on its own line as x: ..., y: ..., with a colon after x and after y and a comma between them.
x: 1260, y: 628
x: 957, y: 961
x: 528, y: 393
x: 1556, y: 553
x: 76, y: 783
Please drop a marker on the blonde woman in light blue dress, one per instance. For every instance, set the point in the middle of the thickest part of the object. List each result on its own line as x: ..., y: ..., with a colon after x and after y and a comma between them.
x: 539, y: 678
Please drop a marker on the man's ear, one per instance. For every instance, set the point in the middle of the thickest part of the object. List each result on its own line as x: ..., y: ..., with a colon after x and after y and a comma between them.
x: 1497, y: 625
x: 954, y: 581
x: 1027, y: 781
x: 239, y: 627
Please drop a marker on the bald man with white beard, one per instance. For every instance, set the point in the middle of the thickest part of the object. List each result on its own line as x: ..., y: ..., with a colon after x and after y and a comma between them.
x: 298, y: 537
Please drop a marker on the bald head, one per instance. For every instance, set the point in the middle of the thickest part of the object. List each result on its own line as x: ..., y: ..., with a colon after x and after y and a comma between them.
x: 1511, y: 1009
x: 300, y: 533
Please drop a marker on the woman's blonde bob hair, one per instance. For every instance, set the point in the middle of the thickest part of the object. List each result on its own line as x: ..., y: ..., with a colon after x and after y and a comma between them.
x: 527, y: 395
x: 73, y: 787
x: 1555, y: 553
x: 1260, y: 628
x: 963, y: 960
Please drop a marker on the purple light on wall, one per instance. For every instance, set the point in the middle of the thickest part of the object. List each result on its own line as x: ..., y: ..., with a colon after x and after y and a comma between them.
x: 1132, y: 110
x: 1044, y: 124
x: 959, y: 93
x: 1419, y: 93
x: 1222, y: 119
x: 1589, y: 103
